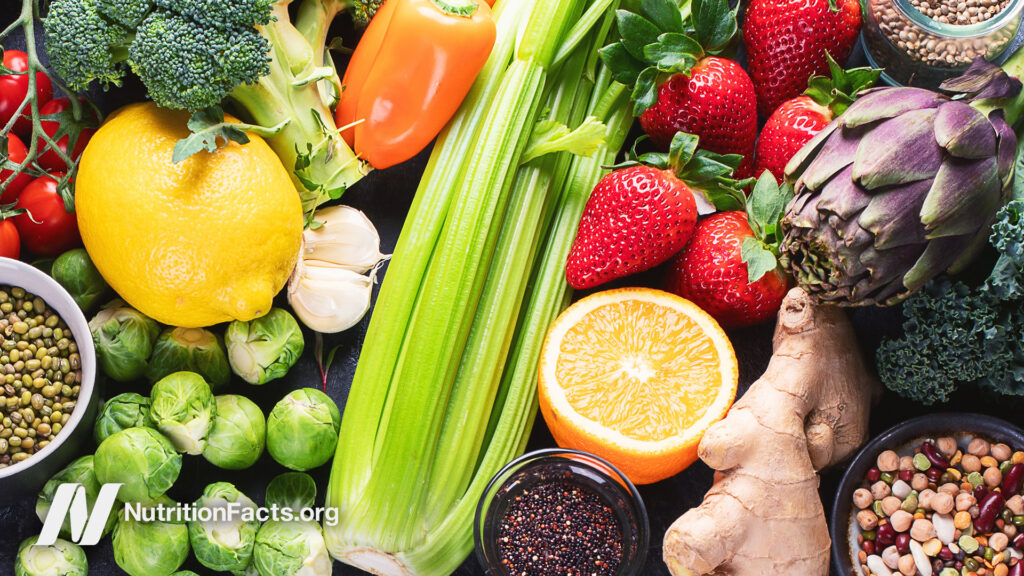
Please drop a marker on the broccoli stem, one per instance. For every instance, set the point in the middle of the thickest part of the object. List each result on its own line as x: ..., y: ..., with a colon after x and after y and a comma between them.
x: 290, y: 93
x: 313, y: 21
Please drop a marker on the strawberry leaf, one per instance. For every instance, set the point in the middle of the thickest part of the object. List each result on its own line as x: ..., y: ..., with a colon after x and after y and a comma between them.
x: 758, y: 258
x: 714, y: 24
x: 645, y: 93
x: 664, y: 14
x: 683, y: 147
x: 637, y: 32
x: 839, y: 91
x: 624, y: 67
x: 674, y: 53
x: 765, y: 209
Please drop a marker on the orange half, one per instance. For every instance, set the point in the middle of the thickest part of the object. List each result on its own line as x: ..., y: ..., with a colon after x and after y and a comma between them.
x: 636, y: 376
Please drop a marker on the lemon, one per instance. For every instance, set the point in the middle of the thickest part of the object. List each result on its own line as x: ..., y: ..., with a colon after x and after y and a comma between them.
x: 208, y: 240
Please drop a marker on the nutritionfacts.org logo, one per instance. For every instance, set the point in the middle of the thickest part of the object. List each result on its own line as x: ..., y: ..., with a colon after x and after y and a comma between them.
x: 71, y: 503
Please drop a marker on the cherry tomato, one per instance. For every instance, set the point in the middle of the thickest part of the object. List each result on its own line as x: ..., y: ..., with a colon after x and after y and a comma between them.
x: 49, y: 159
x: 46, y: 228
x: 10, y: 242
x: 14, y: 87
x: 16, y: 152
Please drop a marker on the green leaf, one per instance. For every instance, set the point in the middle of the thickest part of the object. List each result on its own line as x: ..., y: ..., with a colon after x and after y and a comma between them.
x: 724, y: 198
x: 758, y: 258
x: 683, y: 147
x: 637, y: 32
x: 714, y: 23
x: 550, y: 137
x: 839, y: 91
x: 766, y: 208
x: 645, y: 93
x: 1018, y: 173
x: 210, y: 132
x: 664, y: 14
x: 625, y: 68
x: 674, y: 53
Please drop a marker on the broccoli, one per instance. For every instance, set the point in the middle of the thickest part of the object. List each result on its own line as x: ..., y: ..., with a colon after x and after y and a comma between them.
x: 363, y: 12
x: 197, y: 55
x: 954, y: 334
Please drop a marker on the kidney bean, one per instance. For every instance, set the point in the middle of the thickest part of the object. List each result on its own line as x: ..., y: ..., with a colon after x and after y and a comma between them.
x: 988, y: 511
x: 934, y: 474
x: 1018, y: 541
x: 906, y: 475
x: 868, y: 547
x: 946, y: 554
x: 1017, y: 569
x: 903, y: 543
x: 874, y: 474
x: 885, y: 536
x: 980, y: 493
x: 1013, y: 479
x: 934, y: 456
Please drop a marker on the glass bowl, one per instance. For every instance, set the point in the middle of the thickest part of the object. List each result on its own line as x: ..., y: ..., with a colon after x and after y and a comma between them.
x: 581, y: 468
x: 915, y: 50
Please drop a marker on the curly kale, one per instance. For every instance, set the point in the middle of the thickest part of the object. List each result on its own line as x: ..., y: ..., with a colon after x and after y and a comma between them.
x: 954, y: 334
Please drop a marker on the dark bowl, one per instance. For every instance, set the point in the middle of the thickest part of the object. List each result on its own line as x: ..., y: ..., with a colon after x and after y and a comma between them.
x: 954, y: 424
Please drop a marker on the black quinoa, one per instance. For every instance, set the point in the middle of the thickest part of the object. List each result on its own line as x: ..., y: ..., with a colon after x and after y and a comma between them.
x: 560, y: 528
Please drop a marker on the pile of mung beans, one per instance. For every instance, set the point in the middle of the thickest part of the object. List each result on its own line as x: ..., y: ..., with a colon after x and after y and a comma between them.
x: 945, y: 510
x: 41, y: 374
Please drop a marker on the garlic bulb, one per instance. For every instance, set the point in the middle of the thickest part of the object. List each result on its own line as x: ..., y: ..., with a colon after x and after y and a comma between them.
x: 329, y: 289
x: 346, y: 238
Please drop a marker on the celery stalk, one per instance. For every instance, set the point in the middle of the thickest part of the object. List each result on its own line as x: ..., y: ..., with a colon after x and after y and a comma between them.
x: 421, y: 434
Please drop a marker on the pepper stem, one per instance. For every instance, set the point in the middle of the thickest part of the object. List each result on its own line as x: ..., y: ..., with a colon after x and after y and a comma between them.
x: 465, y: 8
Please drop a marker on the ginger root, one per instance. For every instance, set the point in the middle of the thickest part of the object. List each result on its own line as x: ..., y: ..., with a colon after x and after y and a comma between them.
x: 809, y: 410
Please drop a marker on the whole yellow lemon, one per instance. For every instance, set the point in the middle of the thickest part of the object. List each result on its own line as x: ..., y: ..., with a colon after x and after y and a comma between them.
x: 208, y: 240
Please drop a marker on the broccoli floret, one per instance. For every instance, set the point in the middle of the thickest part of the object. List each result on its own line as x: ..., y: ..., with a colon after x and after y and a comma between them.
x: 225, y: 14
x: 187, y: 65
x: 84, y: 46
x: 127, y: 13
x: 954, y: 334
x: 363, y: 12
x: 198, y: 54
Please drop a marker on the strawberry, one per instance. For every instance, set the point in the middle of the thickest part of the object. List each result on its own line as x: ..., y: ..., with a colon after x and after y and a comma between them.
x: 639, y: 215
x: 786, y: 42
x: 799, y: 119
x: 730, y: 266
x: 680, y: 84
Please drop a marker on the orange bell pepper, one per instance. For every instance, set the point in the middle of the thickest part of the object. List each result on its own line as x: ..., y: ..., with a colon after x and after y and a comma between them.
x: 410, y: 72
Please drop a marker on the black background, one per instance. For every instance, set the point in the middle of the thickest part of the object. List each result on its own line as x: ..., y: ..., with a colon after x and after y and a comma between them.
x: 385, y: 197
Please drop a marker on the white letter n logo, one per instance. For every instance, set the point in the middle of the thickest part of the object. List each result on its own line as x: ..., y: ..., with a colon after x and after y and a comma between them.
x: 71, y: 502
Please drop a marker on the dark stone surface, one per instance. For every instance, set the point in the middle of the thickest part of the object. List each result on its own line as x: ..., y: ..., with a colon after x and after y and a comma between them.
x: 385, y: 197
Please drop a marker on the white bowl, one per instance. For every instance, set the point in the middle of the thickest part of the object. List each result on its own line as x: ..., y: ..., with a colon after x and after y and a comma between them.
x: 29, y: 475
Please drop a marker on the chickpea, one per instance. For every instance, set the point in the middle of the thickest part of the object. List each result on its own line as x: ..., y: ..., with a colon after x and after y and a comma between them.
x: 942, y: 503
x: 891, y: 504
x: 888, y: 461
x: 922, y: 530
x: 964, y: 501
x: 978, y: 447
x: 867, y: 520
x: 907, y: 463
x: 947, y: 446
x: 880, y: 490
x: 993, y: 477
x: 970, y: 463
x: 919, y: 482
x: 998, y: 541
x: 1001, y: 452
x: 862, y: 498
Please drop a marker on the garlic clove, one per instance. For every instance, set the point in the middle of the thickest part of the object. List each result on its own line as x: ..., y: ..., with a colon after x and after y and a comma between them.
x: 328, y: 298
x: 346, y: 238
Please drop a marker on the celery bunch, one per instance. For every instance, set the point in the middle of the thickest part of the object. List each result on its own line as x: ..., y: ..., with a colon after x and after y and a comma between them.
x: 445, y: 390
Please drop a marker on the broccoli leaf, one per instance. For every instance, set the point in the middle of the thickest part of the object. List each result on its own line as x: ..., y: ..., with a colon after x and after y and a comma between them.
x: 211, y: 131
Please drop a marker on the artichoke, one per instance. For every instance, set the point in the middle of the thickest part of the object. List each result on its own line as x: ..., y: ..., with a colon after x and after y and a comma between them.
x: 900, y: 188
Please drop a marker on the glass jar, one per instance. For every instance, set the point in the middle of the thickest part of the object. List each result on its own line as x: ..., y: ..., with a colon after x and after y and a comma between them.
x: 914, y: 49
x: 579, y: 468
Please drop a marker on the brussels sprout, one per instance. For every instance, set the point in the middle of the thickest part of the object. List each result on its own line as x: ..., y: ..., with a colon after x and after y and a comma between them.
x: 81, y: 472
x: 292, y: 490
x: 150, y: 548
x: 224, y: 543
x: 62, y: 558
x: 183, y: 408
x: 128, y: 410
x: 124, y: 340
x: 193, y: 350
x: 75, y: 271
x: 238, y: 435
x: 264, y: 349
x: 140, y: 459
x: 290, y: 549
x: 184, y: 573
x: 302, y: 429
